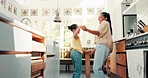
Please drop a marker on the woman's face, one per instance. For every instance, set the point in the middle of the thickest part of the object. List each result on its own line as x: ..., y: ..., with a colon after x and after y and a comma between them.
x: 101, y: 18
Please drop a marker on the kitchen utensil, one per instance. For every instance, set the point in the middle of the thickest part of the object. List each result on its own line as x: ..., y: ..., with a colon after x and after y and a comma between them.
x: 142, y: 23
x: 145, y: 29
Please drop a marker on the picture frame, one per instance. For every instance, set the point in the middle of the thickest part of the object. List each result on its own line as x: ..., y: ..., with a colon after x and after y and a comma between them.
x: 9, y: 7
x: 24, y: 12
x: 34, y: 12
x: 77, y: 11
x: 45, y: 12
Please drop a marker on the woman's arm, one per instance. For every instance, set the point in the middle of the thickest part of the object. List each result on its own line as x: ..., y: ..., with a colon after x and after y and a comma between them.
x: 95, y: 32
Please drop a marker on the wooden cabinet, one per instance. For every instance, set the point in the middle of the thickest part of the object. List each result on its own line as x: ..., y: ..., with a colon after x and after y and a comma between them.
x: 37, y: 55
x: 121, y: 63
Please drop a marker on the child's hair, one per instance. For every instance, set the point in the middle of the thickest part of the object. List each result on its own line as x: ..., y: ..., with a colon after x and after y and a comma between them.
x: 73, y: 26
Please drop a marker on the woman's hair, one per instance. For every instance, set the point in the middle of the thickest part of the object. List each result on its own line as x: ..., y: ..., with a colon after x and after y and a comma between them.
x: 107, y: 15
x: 72, y: 27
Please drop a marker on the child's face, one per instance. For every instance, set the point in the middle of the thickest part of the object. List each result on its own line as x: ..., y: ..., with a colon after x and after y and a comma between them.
x: 75, y: 30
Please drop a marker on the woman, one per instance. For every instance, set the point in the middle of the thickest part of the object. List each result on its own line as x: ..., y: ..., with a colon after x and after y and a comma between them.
x: 104, y: 43
x: 76, y: 54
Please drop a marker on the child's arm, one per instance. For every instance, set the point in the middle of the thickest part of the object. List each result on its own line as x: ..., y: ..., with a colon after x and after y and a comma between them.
x: 76, y: 32
x: 90, y: 50
x: 71, y: 49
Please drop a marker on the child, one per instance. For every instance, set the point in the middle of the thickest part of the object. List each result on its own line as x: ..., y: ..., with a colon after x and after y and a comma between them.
x: 76, y: 54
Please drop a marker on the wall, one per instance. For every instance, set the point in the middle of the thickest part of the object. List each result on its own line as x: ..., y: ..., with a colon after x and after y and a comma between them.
x: 115, y: 10
x: 39, y: 20
x: 11, y: 14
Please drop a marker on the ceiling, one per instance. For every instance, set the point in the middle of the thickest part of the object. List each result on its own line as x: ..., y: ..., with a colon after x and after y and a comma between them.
x: 82, y: 3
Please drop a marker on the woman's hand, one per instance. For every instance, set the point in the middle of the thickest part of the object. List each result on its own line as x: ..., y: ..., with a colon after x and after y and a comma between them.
x: 84, y: 28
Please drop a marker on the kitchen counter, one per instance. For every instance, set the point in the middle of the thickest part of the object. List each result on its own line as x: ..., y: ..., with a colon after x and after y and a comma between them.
x: 20, y: 25
x: 119, y: 39
x: 18, y: 38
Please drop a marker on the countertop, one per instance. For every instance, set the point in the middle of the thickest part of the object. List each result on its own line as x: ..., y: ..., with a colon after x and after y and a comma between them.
x: 121, y: 39
x: 137, y: 36
x: 20, y: 25
x: 124, y: 38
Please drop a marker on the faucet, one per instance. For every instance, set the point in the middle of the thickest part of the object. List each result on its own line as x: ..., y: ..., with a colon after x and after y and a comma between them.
x: 28, y: 20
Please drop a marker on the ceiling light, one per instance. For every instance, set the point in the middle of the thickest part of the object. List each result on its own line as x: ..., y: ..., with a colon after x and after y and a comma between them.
x: 57, y: 18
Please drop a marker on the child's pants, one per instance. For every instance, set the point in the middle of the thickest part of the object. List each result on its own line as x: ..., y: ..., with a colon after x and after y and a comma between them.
x: 76, y: 57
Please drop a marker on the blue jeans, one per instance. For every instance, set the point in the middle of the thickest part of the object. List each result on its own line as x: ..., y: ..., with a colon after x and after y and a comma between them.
x: 76, y: 57
x: 100, y: 57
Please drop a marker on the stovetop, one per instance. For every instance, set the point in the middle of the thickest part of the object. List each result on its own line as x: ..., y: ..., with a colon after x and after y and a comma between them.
x: 137, y: 42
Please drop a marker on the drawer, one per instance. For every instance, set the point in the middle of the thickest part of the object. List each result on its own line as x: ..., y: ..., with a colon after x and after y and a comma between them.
x: 22, y: 40
x: 120, y: 46
x: 121, y: 59
x: 121, y: 71
x: 15, y: 66
x: 37, y: 66
x: 14, y: 39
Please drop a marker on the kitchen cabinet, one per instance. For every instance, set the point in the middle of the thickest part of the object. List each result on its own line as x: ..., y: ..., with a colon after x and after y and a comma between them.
x: 137, y: 45
x: 15, y: 66
x: 120, y: 61
x: 22, y: 50
x: 12, y: 37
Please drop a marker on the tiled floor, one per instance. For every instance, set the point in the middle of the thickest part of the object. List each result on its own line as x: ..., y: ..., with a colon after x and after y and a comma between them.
x: 69, y: 75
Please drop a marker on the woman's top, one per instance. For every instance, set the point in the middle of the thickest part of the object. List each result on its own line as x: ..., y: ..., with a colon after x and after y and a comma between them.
x: 105, y: 36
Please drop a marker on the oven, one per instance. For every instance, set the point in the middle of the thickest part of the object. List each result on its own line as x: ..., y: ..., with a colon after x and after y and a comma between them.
x: 137, y: 49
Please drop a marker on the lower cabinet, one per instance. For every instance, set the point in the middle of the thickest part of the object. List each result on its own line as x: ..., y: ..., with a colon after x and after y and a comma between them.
x: 121, y: 66
x: 15, y: 66
x: 121, y: 59
x: 14, y: 39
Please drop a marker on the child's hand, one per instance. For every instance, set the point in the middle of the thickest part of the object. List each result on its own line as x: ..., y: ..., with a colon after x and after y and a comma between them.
x: 84, y: 28
x: 90, y: 51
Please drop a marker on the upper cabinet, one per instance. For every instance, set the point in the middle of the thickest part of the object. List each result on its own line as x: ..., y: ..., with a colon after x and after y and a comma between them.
x: 131, y: 6
x: 136, y: 7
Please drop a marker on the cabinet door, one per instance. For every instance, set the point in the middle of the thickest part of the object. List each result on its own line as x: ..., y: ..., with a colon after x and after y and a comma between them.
x: 14, y: 39
x: 15, y: 66
x: 6, y: 37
